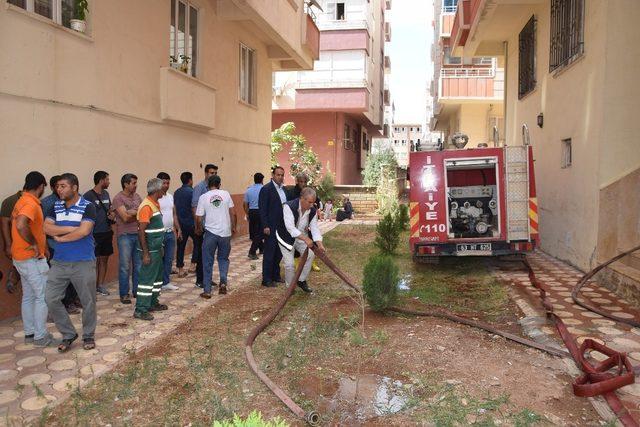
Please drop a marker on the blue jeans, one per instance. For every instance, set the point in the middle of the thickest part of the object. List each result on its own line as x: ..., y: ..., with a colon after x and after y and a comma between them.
x: 33, y: 275
x: 167, y: 258
x: 128, y: 256
x: 213, y: 243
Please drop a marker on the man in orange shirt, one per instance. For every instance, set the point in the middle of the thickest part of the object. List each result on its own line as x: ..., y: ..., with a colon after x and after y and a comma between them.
x: 29, y: 252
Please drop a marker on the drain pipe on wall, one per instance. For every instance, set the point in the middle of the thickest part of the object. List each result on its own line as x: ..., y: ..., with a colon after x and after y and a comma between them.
x: 505, y: 49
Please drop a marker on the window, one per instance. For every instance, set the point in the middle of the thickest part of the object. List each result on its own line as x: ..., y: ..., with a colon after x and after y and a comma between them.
x: 527, y: 58
x: 449, y: 6
x: 566, y: 153
x: 339, y: 11
x: 183, y: 37
x: 59, y: 11
x: 248, y: 68
x: 567, y: 32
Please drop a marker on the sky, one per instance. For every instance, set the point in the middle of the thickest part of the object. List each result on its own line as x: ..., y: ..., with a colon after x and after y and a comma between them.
x: 410, y: 52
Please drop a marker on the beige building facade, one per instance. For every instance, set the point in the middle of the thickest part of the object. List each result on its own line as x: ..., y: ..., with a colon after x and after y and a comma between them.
x: 571, y: 91
x: 112, y: 98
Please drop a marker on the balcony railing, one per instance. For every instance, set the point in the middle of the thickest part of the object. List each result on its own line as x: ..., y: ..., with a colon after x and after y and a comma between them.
x: 351, y: 24
x: 468, y: 72
x: 449, y: 9
x: 323, y: 84
x: 387, y: 32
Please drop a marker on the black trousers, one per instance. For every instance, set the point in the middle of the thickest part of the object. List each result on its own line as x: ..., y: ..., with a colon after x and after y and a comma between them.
x: 197, y: 254
x: 255, y: 232
x: 186, y: 233
x: 271, y: 259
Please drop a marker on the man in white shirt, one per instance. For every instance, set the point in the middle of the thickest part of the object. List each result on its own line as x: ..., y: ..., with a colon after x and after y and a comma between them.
x: 299, y: 232
x: 215, y: 212
x: 172, y: 228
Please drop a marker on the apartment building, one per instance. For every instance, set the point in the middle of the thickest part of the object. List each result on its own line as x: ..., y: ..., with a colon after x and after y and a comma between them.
x: 339, y: 106
x: 467, y: 91
x: 571, y: 92
x: 151, y: 85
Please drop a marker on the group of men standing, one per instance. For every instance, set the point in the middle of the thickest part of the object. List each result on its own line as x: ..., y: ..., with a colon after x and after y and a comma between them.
x: 60, y: 244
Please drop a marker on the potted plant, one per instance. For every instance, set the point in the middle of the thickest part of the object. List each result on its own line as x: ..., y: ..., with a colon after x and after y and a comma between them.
x: 80, y: 9
x: 173, y: 62
x: 184, y: 63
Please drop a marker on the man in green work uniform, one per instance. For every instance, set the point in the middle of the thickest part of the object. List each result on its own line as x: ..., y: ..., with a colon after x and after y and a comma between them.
x: 151, y: 236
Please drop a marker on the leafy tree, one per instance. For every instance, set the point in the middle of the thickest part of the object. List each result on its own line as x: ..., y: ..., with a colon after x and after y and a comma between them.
x: 377, y: 164
x: 302, y: 157
x: 326, y: 187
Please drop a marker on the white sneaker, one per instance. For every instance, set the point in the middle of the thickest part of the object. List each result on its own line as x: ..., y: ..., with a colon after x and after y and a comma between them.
x: 169, y: 287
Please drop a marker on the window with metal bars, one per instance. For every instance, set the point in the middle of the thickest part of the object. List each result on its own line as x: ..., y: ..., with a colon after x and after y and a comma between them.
x: 567, y: 32
x: 527, y: 58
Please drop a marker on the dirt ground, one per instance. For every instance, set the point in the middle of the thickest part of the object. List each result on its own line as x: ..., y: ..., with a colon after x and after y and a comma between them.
x: 321, y: 353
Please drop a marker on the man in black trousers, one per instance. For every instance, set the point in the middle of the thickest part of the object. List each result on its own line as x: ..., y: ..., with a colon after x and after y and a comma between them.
x: 252, y: 210
x: 270, y: 201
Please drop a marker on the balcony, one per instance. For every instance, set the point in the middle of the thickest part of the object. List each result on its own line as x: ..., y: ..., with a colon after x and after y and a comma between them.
x: 462, y: 22
x: 282, y: 25
x: 387, y: 97
x: 311, y: 40
x: 350, y: 24
x: 387, y: 4
x: 387, y: 31
x: 446, y: 24
x: 468, y: 72
x: 186, y: 100
x: 331, y: 83
x: 477, y: 83
x: 387, y: 64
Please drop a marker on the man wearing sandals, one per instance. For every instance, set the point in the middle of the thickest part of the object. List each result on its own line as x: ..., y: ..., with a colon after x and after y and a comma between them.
x: 151, y: 233
x: 70, y: 222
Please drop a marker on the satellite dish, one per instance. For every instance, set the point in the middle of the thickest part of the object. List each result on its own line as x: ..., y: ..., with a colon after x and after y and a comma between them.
x: 314, y: 3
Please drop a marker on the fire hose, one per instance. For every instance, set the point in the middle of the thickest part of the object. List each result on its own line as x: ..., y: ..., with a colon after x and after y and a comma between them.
x: 595, y: 380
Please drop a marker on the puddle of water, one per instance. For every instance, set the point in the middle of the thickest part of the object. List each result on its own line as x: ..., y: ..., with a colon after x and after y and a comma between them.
x: 371, y: 396
x: 404, y: 284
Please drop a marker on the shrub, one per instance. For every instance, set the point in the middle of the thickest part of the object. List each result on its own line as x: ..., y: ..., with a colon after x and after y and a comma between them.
x: 254, y: 419
x: 326, y: 188
x: 402, y: 217
x: 388, y: 234
x: 379, y: 283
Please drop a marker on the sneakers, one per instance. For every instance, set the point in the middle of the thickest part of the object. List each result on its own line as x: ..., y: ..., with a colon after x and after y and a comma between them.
x: 159, y: 307
x: 269, y: 285
x: 223, y: 289
x: 102, y: 291
x: 45, y: 341
x: 169, y: 287
x: 125, y: 299
x: 143, y: 316
x: 199, y: 285
x: 28, y: 339
x: 252, y: 256
x: 205, y: 295
x: 305, y: 287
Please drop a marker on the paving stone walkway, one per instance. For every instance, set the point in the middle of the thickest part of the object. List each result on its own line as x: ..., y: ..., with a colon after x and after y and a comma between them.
x: 33, y: 378
x: 561, y: 279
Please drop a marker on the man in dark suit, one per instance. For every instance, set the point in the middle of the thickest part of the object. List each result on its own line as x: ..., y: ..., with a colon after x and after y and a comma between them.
x: 270, y: 201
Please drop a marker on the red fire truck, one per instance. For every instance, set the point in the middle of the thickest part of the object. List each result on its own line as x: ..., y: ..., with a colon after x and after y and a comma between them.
x: 477, y: 201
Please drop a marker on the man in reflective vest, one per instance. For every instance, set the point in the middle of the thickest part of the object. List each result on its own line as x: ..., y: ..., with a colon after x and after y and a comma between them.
x: 150, y: 242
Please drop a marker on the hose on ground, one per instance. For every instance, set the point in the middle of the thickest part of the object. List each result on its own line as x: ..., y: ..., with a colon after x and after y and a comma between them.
x: 312, y: 417
x: 595, y: 380
x: 583, y: 281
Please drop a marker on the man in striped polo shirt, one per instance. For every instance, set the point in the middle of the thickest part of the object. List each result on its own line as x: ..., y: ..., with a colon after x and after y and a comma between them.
x: 70, y: 222
x: 151, y: 233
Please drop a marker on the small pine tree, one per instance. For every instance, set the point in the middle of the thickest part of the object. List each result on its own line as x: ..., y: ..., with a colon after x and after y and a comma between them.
x: 388, y: 234
x: 402, y: 217
x: 380, y: 282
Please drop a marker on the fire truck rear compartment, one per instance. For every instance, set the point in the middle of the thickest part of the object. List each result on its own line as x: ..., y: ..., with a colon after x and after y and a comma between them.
x: 472, y: 198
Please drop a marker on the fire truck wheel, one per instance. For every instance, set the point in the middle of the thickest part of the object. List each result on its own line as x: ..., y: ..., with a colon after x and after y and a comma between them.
x: 431, y: 260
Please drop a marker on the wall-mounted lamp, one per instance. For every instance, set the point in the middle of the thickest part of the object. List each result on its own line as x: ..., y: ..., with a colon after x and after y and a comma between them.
x: 540, y: 120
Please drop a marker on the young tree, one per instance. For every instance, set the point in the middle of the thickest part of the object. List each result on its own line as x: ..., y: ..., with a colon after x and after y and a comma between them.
x: 381, y: 172
x: 302, y: 157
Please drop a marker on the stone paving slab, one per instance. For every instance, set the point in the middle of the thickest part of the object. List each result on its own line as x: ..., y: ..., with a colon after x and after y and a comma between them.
x: 561, y: 278
x: 33, y: 378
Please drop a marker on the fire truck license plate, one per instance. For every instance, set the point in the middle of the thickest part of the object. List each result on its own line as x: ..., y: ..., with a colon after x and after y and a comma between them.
x: 474, y: 249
